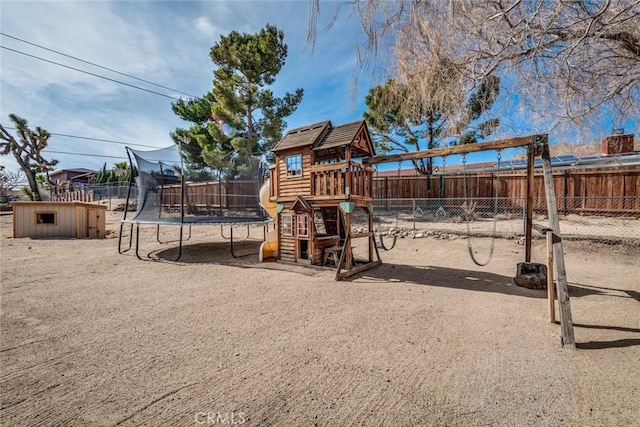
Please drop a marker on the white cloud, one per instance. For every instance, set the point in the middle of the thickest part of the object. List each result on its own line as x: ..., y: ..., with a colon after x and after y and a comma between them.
x: 204, y: 27
x: 163, y: 42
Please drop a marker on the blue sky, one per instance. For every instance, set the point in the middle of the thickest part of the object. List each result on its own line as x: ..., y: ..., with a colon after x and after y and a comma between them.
x: 168, y: 43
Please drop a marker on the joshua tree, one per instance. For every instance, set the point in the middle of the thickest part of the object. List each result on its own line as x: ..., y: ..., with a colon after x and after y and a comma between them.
x: 28, y: 152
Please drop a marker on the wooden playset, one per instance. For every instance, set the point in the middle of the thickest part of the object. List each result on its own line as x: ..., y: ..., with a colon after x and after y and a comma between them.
x: 317, y: 185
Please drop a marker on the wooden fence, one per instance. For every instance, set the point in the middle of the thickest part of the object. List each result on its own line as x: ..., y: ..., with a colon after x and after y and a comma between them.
x: 239, y: 194
x: 615, y: 192
x: 72, y: 196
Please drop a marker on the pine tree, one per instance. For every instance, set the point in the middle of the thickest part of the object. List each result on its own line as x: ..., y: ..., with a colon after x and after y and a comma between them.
x: 241, y: 115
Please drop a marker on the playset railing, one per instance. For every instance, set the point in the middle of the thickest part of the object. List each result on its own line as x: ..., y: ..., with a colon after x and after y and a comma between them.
x: 341, y: 180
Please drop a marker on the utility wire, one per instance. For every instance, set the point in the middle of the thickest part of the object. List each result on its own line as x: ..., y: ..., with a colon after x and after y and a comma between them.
x: 87, y: 154
x: 106, y: 156
x: 91, y: 74
x: 96, y: 139
x: 96, y: 65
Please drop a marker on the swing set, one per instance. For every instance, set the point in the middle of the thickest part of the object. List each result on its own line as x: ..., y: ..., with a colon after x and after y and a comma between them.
x: 537, y: 146
x: 440, y: 211
x: 422, y: 209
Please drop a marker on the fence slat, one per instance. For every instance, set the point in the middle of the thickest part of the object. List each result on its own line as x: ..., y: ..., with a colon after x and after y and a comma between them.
x: 579, y: 191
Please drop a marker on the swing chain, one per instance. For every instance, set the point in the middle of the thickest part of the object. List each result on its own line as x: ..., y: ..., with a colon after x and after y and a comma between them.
x: 496, y: 201
x: 464, y: 173
x: 395, y: 236
x: 493, y: 237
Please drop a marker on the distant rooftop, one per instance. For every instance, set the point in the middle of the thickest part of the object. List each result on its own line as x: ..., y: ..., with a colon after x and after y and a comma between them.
x: 77, y: 170
x: 558, y: 162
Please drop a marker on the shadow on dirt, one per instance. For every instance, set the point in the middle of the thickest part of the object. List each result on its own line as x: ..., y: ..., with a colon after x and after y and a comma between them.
x: 478, y: 281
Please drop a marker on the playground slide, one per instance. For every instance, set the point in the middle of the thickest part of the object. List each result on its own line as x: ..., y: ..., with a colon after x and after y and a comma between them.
x: 269, y: 248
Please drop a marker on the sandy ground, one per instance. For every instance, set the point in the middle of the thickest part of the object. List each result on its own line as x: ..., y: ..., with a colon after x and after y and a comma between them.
x: 91, y: 337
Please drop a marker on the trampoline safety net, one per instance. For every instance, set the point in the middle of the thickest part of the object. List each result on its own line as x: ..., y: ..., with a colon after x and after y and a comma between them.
x: 167, y: 193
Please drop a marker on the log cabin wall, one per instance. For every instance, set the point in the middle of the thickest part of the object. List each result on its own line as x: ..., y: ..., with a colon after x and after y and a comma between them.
x: 289, y: 187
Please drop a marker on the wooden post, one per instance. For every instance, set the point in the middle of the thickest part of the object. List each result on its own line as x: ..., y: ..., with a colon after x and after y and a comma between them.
x: 347, y: 244
x: 371, y: 238
x: 529, y: 219
x: 551, y: 294
x: 566, y: 322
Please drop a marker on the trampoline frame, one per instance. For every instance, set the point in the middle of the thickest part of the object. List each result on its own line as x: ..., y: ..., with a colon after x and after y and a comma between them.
x: 181, y: 221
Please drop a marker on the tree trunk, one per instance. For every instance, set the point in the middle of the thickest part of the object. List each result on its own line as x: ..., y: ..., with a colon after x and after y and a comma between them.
x: 33, y: 185
x: 249, y: 126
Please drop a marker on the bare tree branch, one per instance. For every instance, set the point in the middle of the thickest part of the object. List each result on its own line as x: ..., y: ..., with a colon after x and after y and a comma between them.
x: 568, y: 59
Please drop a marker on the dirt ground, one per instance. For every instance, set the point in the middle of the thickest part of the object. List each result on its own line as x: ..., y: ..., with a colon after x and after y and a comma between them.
x: 91, y: 337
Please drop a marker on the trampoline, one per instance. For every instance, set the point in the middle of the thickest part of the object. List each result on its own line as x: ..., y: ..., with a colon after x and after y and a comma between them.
x: 163, y: 193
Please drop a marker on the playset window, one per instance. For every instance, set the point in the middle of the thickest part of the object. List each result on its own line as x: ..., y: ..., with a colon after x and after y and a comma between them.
x: 302, y: 225
x: 287, y: 224
x: 318, y: 221
x: 294, y: 166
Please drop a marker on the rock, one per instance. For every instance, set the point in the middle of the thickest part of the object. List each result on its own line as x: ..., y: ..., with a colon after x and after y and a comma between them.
x: 531, y: 275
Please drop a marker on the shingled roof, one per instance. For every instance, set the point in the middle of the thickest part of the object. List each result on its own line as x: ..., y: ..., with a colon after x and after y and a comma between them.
x: 323, y: 136
x: 303, y: 136
x: 340, y: 135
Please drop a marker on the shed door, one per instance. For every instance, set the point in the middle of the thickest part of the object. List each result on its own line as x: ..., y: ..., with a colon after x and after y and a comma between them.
x: 94, y: 224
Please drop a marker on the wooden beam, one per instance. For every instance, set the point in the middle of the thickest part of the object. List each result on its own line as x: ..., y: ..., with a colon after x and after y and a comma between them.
x: 551, y: 287
x: 499, y: 144
x: 566, y: 322
x: 541, y: 229
x: 551, y: 238
x: 357, y: 270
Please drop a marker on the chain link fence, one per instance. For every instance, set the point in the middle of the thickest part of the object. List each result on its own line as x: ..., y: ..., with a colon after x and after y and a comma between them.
x: 601, y: 219
x: 200, y: 201
x: 112, y: 195
x: 613, y: 220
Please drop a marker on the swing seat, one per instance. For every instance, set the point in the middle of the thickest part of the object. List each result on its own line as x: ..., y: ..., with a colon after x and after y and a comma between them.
x: 439, y: 210
x: 531, y: 275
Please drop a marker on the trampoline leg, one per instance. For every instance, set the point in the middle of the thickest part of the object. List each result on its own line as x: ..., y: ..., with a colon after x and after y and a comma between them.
x: 232, y: 253
x: 171, y: 241
x: 138, y: 242
x: 222, y: 231
x: 180, y: 246
x: 120, y: 250
x: 248, y: 231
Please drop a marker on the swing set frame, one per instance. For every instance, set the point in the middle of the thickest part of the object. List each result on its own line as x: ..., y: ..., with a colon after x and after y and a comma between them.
x: 537, y: 146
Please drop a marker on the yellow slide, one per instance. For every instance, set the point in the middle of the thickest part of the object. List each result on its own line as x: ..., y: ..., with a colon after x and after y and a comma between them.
x: 269, y: 248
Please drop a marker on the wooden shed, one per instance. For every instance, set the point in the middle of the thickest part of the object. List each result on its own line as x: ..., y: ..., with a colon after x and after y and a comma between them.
x: 58, y: 220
